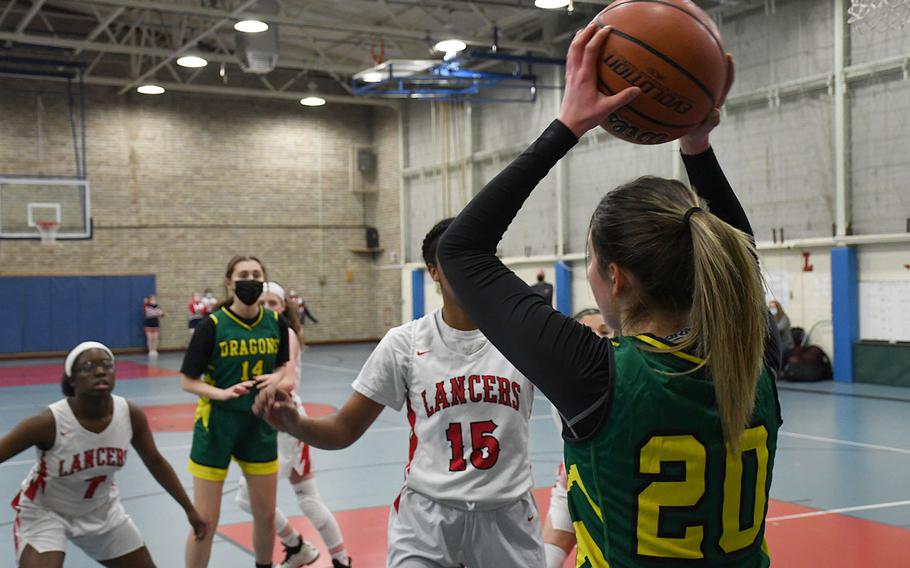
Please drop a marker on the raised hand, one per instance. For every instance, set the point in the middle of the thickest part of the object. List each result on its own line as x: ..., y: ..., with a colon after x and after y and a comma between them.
x: 277, y: 408
x: 583, y: 105
x: 698, y: 140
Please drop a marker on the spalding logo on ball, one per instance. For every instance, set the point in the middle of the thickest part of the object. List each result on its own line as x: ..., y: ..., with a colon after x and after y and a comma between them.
x: 672, y: 51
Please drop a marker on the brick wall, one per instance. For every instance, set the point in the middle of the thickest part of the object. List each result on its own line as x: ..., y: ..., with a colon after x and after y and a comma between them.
x: 180, y: 183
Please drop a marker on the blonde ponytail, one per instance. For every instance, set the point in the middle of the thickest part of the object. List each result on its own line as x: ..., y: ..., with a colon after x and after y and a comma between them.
x: 689, y: 262
x: 727, y: 317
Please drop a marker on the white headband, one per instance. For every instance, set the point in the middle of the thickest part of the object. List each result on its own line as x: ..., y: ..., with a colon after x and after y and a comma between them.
x: 273, y: 288
x: 79, y: 350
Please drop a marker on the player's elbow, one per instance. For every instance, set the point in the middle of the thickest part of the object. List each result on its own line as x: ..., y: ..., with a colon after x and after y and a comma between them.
x: 187, y: 383
x: 445, y: 249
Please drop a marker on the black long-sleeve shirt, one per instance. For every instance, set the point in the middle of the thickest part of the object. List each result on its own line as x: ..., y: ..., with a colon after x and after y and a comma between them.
x: 572, y: 366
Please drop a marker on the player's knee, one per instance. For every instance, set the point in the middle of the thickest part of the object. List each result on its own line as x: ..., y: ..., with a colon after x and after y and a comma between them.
x: 263, y: 513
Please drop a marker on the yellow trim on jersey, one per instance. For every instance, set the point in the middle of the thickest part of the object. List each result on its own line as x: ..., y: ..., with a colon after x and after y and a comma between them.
x: 764, y: 547
x: 206, y: 472
x: 258, y: 468
x: 243, y: 325
x: 573, y: 477
x: 588, y: 551
x: 214, y: 318
x: 614, y: 343
x: 668, y: 348
x: 203, y: 411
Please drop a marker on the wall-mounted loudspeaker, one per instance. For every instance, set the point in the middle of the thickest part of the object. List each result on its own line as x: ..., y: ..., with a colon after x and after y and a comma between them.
x: 372, y: 238
x: 366, y: 161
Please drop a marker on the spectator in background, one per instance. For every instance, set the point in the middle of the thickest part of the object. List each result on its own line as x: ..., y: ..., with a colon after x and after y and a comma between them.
x: 302, y: 309
x: 198, y: 310
x: 210, y: 301
x: 152, y: 313
x: 783, y: 326
x: 543, y: 288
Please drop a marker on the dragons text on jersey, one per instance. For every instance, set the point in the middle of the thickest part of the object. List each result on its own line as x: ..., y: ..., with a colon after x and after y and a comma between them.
x: 246, y: 347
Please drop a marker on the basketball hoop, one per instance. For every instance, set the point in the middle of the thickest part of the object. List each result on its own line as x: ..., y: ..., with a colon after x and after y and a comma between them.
x: 878, y: 15
x: 48, y: 230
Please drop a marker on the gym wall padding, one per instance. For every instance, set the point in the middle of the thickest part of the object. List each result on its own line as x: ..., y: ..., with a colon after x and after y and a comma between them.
x: 564, y: 288
x: 418, y: 303
x: 882, y: 363
x: 844, y: 310
x: 54, y: 313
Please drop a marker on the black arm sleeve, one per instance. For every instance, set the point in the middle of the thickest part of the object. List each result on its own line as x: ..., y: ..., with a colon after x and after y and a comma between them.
x: 284, y: 346
x: 197, y: 355
x: 710, y: 183
x: 563, y: 358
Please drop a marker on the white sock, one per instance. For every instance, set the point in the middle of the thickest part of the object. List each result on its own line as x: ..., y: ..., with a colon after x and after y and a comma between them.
x: 556, y: 556
x: 282, y: 525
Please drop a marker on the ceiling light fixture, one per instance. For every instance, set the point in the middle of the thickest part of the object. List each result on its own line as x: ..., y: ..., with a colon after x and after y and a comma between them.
x: 551, y: 4
x: 372, y: 77
x: 192, y: 61
x: 251, y: 26
x: 312, y: 101
x: 450, y: 46
x: 150, y: 89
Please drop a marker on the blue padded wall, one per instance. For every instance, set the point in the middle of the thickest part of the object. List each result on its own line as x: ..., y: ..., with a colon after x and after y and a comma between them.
x: 54, y: 313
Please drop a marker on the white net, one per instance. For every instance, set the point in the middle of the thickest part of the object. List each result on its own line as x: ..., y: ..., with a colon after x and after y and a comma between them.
x: 878, y: 15
x: 48, y: 231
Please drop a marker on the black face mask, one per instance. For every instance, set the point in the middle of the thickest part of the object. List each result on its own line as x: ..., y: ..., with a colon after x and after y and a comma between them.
x: 248, y: 291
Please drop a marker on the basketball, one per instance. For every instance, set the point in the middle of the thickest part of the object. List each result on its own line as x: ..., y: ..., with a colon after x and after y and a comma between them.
x: 672, y: 51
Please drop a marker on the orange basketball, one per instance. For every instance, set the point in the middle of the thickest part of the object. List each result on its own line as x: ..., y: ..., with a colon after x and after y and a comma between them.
x: 672, y: 51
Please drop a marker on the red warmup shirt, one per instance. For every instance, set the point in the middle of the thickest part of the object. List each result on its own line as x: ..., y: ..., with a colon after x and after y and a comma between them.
x: 197, y: 309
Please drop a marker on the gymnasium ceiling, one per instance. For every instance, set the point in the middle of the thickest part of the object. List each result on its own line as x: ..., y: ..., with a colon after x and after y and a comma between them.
x: 322, y: 43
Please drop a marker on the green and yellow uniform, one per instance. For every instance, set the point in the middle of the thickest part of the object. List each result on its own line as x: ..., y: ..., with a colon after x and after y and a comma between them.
x: 656, y: 485
x: 226, y: 429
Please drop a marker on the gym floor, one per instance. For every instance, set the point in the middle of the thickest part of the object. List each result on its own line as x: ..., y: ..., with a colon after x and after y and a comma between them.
x: 841, y: 490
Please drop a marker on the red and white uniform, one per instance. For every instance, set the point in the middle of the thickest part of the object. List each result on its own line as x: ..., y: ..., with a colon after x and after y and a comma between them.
x: 468, y: 408
x: 293, y: 454
x: 197, y: 309
x: 70, y: 492
x: 467, y: 485
x: 151, y: 310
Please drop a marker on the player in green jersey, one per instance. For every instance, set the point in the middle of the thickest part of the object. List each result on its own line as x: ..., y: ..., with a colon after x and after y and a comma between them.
x: 237, y: 348
x: 671, y: 427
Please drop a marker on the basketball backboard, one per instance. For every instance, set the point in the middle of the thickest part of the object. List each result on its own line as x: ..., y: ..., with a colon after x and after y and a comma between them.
x: 27, y: 201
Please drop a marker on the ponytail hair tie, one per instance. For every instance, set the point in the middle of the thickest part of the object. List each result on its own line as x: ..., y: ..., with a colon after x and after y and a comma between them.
x: 689, y: 213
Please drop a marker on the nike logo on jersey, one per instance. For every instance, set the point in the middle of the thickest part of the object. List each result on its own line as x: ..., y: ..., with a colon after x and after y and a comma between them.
x: 419, y: 353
